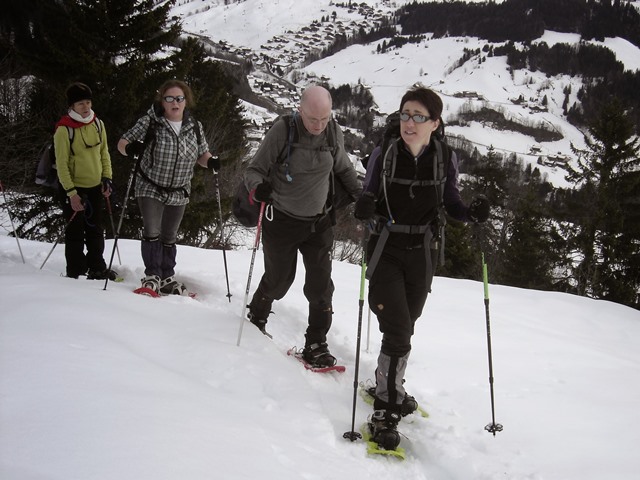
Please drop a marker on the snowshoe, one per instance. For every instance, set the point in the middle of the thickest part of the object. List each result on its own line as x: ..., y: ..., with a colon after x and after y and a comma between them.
x: 102, y: 275
x: 297, y: 353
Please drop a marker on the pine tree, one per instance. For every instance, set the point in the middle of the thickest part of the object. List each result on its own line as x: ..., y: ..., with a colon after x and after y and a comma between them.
x: 602, y: 237
x: 123, y: 49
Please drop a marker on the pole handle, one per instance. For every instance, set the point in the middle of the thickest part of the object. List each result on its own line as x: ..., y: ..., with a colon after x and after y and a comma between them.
x: 485, y: 279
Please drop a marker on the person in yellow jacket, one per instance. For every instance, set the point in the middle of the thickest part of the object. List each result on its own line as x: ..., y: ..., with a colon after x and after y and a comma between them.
x: 84, y: 170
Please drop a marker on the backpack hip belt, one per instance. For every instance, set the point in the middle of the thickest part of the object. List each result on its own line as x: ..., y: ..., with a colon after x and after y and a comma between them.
x: 388, y: 228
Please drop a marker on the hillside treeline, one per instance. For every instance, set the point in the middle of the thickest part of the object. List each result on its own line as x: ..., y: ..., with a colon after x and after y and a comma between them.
x: 523, y: 20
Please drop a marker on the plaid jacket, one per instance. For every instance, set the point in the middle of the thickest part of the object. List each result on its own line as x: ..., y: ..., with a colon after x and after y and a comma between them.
x: 169, y: 158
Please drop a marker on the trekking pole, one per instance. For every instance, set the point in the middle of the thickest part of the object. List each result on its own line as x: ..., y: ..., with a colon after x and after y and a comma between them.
x: 15, y: 233
x: 124, y: 209
x: 352, y: 434
x: 256, y: 244
x: 59, y: 237
x: 493, y: 427
x: 224, y: 250
x: 113, y: 226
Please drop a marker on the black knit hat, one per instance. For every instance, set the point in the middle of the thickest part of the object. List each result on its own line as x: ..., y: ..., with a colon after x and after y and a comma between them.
x: 77, y: 92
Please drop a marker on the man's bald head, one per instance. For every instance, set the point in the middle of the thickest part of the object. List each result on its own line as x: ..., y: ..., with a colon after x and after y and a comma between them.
x: 315, y: 109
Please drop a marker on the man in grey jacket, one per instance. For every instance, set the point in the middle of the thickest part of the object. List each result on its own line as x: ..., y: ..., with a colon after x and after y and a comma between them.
x: 297, y: 191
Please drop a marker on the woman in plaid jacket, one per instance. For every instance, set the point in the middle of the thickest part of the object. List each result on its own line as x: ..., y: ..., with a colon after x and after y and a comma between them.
x: 168, y: 142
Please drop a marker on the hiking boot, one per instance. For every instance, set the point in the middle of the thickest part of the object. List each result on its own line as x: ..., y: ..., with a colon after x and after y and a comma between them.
x: 318, y: 355
x: 408, y: 406
x: 102, y: 274
x: 258, y: 320
x: 259, y: 310
x: 383, y: 425
x: 170, y: 286
x: 152, y: 282
x: 75, y: 274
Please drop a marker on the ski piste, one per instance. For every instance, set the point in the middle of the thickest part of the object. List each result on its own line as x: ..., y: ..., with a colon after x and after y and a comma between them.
x: 150, y: 293
x: 368, y: 398
x: 297, y: 354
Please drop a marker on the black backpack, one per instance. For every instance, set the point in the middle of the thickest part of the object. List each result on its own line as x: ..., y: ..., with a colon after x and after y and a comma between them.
x: 248, y: 212
x: 46, y: 173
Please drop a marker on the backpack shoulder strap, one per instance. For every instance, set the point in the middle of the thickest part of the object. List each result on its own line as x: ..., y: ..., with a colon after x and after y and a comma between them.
x: 150, y: 135
x: 389, y: 152
x: 71, y: 131
x: 332, y: 138
x: 196, y: 127
x: 99, y: 126
x: 292, y: 131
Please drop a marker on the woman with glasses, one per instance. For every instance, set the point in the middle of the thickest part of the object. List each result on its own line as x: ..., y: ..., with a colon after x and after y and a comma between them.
x: 167, y: 142
x: 409, y: 181
x: 84, y: 170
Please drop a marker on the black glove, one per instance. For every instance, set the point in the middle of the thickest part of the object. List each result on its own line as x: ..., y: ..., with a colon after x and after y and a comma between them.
x: 213, y: 163
x: 134, y: 149
x: 365, y: 206
x: 263, y: 192
x: 479, y: 209
x: 107, y: 184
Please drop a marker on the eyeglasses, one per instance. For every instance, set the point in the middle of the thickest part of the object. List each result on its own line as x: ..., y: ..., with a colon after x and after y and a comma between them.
x: 171, y: 98
x: 416, y: 118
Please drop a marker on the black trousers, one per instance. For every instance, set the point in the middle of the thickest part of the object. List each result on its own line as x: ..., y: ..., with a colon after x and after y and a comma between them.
x: 85, y: 230
x: 398, y: 291
x: 282, y: 238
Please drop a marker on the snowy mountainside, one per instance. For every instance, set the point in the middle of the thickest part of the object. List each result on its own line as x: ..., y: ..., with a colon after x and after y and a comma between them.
x: 277, y: 36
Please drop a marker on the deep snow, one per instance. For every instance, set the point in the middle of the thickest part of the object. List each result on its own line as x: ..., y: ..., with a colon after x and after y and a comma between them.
x: 99, y: 384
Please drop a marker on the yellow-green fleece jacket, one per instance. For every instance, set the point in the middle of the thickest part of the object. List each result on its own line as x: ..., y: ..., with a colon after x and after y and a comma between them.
x: 90, y: 160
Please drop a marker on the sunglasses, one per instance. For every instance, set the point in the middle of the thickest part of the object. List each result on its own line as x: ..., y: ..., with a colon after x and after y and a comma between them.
x: 171, y: 98
x: 405, y: 117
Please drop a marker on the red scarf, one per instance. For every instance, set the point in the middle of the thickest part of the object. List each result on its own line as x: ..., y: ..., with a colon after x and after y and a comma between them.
x: 67, y: 121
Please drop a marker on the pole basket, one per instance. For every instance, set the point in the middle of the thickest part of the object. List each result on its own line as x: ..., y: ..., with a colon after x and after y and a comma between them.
x: 353, y: 436
x: 493, y: 428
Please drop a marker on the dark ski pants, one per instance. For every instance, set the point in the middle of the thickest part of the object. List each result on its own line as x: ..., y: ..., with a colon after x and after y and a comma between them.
x: 160, y: 232
x: 282, y: 239
x: 85, y: 230
x: 398, y: 291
